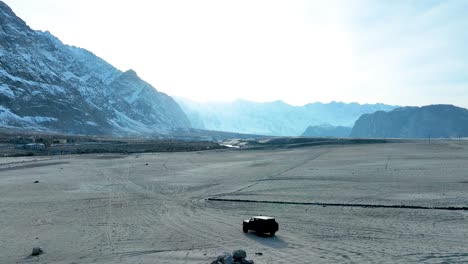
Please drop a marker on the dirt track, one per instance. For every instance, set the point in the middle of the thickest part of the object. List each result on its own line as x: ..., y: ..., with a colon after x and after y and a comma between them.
x: 117, y: 209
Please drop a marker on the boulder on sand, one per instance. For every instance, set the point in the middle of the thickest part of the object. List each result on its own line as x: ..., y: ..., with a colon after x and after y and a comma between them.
x: 223, y: 258
x: 239, y: 257
x: 239, y: 254
x: 37, y: 251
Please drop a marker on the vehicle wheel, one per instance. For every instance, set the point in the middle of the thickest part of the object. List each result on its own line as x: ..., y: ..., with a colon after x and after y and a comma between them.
x: 245, y: 229
x: 272, y: 233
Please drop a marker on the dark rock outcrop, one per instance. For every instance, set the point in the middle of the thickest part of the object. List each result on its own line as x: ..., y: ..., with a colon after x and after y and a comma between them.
x: 327, y: 131
x: 37, y: 251
x: 237, y: 257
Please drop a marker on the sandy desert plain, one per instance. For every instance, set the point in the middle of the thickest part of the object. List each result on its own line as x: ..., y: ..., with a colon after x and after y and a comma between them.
x: 154, y: 208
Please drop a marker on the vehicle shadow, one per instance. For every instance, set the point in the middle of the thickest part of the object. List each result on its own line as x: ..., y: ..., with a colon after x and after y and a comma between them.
x: 270, y: 241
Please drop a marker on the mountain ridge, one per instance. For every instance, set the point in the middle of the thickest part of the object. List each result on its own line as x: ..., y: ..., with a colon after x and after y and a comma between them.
x: 431, y: 121
x: 47, y: 85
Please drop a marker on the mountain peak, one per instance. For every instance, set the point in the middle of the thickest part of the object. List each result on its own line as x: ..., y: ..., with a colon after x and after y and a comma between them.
x: 130, y: 72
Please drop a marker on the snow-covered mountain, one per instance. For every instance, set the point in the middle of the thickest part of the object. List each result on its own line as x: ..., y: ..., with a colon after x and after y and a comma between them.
x: 46, y: 85
x: 273, y: 118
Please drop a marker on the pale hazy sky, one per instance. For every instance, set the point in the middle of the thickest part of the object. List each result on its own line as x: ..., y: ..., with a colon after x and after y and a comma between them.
x: 405, y: 52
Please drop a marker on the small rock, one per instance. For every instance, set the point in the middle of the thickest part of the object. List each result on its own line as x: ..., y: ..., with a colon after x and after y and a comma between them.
x: 223, y: 258
x: 146, y: 164
x: 228, y: 260
x: 259, y: 253
x: 36, y: 181
x: 222, y: 255
x: 239, y: 254
x: 37, y: 251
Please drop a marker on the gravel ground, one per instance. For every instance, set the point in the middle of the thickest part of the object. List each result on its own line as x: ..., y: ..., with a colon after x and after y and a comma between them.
x: 153, y: 208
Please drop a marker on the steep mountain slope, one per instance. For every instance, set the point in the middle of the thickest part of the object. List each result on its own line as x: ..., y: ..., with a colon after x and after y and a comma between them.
x: 273, y: 118
x: 46, y: 85
x: 326, y: 130
x: 433, y: 121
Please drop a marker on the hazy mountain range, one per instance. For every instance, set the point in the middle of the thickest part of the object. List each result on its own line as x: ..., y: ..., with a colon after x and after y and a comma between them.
x: 273, y: 118
x: 46, y: 85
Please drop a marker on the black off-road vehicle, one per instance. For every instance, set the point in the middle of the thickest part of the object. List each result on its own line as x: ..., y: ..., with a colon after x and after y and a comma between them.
x: 261, y: 224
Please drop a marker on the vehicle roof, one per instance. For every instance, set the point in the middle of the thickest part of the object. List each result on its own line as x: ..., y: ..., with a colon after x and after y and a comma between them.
x: 263, y: 217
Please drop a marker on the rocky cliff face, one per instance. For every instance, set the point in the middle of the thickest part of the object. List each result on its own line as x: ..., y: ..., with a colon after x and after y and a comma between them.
x: 433, y: 121
x: 47, y: 85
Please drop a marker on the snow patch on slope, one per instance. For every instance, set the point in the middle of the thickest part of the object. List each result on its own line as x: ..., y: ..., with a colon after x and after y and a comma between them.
x: 39, y: 119
x: 129, y: 125
x: 9, y: 119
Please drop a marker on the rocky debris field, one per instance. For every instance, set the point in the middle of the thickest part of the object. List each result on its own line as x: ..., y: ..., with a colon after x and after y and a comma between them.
x: 117, y: 147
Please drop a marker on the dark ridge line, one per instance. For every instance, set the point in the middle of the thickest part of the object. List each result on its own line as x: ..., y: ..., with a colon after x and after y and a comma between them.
x: 464, y: 208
